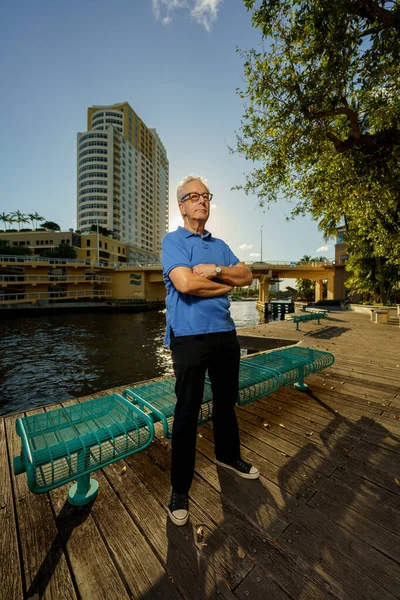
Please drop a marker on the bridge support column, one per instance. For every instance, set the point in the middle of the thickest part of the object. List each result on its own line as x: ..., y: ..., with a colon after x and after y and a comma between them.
x: 263, y: 295
x: 319, y: 290
x: 331, y: 288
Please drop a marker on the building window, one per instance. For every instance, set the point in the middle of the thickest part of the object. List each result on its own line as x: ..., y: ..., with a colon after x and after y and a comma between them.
x: 87, y: 252
x: 87, y: 242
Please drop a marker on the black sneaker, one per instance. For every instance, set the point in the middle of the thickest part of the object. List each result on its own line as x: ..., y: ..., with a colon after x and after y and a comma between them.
x: 178, y: 508
x: 241, y: 468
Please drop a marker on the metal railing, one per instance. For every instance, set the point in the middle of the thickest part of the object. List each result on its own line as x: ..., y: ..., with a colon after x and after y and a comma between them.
x: 292, y: 264
x: 44, y: 260
x: 54, y: 295
x: 54, y: 278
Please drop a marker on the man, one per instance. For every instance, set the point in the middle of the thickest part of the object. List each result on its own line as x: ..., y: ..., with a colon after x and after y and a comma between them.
x: 199, y: 272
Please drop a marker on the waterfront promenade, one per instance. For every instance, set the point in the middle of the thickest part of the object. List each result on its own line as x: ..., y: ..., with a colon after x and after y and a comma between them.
x: 323, y: 521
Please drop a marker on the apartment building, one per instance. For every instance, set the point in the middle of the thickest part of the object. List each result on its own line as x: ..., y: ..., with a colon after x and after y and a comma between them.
x: 122, y: 180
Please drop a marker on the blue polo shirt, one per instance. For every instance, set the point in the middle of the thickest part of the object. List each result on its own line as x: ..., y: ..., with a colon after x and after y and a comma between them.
x: 188, y: 314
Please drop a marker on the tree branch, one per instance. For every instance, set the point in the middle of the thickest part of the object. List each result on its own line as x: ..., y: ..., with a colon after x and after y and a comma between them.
x: 388, y: 138
x: 348, y: 112
x: 373, y: 12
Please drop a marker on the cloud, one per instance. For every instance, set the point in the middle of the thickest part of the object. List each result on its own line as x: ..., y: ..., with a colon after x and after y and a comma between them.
x: 254, y: 255
x: 204, y: 12
x: 323, y: 249
x: 246, y: 246
x: 214, y: 206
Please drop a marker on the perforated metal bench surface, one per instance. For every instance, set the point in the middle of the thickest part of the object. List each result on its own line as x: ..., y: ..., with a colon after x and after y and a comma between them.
x: 293, y: 364
x: 157, y: 399
x: 67, y: 443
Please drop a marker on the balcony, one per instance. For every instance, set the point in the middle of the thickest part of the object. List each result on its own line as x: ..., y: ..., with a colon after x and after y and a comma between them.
x: 6, y: 280
x: 42, y: 261
x: 35, y: 296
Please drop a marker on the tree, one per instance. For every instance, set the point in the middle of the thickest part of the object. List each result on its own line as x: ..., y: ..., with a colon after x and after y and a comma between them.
x: 102, y: 230
x: 322, y: 117
x: 62, y: 251
x: 37, y: 218
x: 306, y: 287
x: 372, y: 277
x: 19, y: 217
x: 5, y: 218
x: 7, y: 249
x: 51, y: 225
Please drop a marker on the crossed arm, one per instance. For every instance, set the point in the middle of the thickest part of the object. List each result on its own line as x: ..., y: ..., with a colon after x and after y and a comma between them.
x: 198, y: 281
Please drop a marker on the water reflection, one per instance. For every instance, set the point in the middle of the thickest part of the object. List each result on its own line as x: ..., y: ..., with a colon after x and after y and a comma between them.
x: 52, y: 358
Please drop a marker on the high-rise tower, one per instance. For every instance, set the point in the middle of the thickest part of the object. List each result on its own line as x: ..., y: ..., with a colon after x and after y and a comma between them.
x: 122, y: 181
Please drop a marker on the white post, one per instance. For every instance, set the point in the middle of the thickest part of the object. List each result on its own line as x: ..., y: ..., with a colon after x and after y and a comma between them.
x: 261, y: 242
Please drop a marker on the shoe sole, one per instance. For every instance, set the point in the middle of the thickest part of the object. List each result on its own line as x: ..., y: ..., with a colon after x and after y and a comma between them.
x: 243, y: 475
x: 178, y: 522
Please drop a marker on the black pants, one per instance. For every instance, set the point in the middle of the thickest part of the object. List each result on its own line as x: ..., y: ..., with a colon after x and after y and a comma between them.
x: 192, y: 355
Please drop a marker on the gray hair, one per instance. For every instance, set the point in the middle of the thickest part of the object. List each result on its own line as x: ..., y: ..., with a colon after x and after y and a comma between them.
x: 186, y: 180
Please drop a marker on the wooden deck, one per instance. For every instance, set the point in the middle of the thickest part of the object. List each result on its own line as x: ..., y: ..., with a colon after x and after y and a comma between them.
x: 323, y: 521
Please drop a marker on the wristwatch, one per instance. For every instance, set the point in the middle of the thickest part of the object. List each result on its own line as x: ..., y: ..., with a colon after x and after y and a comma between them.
x: 218, y: 269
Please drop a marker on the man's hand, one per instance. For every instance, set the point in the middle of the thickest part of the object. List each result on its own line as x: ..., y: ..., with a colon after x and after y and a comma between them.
x: 207, y: 271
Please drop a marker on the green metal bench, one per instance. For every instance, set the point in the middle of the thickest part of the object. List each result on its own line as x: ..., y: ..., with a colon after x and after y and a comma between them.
x: 67, y: 444
x: 157, y: 399
x: 308, y: 317
x: 293, y: 364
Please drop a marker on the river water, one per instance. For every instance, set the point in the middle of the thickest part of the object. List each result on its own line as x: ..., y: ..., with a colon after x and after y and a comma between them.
x: 52, y: 358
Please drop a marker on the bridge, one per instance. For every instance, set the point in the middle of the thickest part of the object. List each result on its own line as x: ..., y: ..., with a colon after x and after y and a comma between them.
x: 270, y: 271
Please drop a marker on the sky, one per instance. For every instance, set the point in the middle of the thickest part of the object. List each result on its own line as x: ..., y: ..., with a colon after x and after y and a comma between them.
x: 175, y: 62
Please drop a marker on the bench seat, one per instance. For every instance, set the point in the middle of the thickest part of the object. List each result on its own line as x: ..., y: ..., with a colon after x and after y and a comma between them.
x: 293, y: 364
x: 157, y: 399
x: 67, y: 443
x: 311, y: 316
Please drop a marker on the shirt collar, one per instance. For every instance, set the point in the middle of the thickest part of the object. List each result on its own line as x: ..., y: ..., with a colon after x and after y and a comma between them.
x: 186, y: 233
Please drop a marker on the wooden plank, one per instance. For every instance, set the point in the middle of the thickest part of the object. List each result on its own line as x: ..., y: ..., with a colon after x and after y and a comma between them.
x: 259, y: 584
x: 338, y: 540
x: 317, y: 446
x: 175, y: 547
x: 45, y: 565
x: 120, y: 548
x: 217, y: 547
x: 383, y: 540
x: 134, y: 557
x: 257, y: 502
x: 298, y: 430
x: 370, y: 499
x: 379, y: 458
x: 356, y: 480
x: 92, y: 566
x: 10, y: 572
x: 346, y: 578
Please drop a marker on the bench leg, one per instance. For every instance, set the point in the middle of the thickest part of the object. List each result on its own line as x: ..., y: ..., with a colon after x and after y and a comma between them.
x: 297, y: 325
x: 83, y: 491
x: 300, y: 385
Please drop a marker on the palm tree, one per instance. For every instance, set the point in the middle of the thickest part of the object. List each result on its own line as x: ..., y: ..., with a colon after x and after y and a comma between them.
x: 11, y: 219
x: 5, y: 218
x: 19, y: 217
x: 31, y: 217
x: 37, y: 218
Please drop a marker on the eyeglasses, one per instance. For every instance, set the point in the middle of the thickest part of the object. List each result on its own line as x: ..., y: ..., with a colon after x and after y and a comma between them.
x: 195, y: 197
